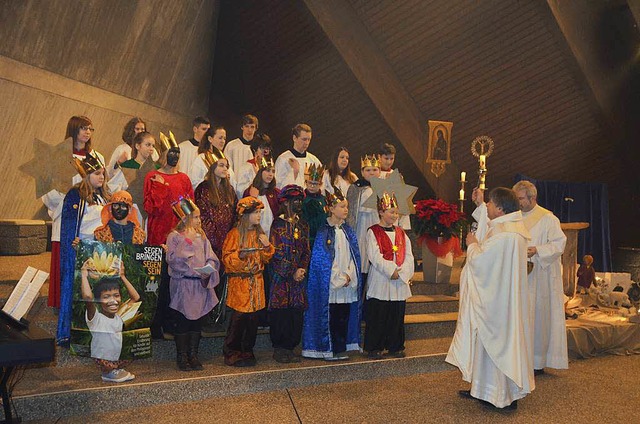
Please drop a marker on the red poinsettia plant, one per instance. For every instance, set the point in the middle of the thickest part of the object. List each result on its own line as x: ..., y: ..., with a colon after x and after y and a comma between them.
x: 439, y: 225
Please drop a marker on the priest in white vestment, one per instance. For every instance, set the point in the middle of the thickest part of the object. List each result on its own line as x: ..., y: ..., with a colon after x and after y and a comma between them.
x: 492, y: 343
x: 291, y: 164
x: 545, y: 280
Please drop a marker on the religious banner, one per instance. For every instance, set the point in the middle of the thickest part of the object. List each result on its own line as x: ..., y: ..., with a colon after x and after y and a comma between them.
x: 115, y: 295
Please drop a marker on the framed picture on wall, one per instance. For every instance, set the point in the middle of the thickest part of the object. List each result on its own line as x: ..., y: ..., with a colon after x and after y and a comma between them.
x: 439, y: 148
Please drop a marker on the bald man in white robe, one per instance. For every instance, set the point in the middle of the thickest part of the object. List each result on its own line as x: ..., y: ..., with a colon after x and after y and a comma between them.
x: 545, y: 280
x: 492, y: 344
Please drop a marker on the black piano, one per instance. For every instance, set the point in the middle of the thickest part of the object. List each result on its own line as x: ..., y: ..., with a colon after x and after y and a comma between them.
x: 20, y: 345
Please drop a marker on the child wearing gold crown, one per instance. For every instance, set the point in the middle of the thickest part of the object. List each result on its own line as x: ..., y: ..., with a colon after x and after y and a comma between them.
x: 246, y: 250
x: 216, y: 199
x: 389, y: 251
x: 263, y: 187
x: 81, y: 215
x: 193, y: 267
x: 247, y: 171
x: 314, y: 204
x: 361, y: 217
x: 162, y: 187
x: 332, y: 321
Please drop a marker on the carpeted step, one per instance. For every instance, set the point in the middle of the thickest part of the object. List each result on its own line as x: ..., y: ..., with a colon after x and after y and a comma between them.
x: 429, y: 289
x: 425, y: 304
x: 49, y: 392
x: 425, y: 326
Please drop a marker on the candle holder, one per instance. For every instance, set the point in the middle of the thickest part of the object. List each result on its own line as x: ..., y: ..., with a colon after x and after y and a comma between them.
x: 461, y: 234
x: 482, y: 147
x: 461, y: 198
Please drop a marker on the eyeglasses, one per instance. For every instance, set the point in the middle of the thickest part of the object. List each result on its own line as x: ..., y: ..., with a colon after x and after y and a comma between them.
x: 87, y: 128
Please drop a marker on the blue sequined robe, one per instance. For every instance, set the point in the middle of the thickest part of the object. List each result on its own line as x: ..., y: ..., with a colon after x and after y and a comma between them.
x: 316, y: 336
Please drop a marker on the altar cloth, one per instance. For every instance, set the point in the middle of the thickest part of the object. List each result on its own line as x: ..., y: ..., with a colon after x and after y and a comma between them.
x: 596, y: 333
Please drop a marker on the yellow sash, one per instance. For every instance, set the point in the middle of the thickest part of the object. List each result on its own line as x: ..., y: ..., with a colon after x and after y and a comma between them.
x: 534, y: 216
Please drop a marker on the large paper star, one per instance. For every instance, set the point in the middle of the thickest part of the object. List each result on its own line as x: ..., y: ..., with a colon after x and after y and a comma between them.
x: 394, y: 183
x: 135, y: 180
x: 50, y: 166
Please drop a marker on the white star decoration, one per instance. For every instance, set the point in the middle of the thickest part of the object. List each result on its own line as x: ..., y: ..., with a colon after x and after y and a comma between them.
x: 394, y: 183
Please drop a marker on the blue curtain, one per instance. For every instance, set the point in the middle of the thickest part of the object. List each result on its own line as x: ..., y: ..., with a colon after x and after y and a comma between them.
x: 580, y: 202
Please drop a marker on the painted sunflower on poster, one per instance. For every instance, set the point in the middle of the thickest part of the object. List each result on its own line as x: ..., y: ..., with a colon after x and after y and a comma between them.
x: 439, y: 225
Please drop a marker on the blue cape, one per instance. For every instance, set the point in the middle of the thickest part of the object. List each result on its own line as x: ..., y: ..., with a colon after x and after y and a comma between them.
x: 72, y: 211
x: 316, y: 337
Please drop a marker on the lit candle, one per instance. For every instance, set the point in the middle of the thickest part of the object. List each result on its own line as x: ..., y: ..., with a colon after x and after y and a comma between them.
x: 463, y: 175
x: 483, y: 161
x: 461, y: 194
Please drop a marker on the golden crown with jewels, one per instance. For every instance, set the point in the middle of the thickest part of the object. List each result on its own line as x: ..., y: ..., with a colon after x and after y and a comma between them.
x: 370, y: 160
x: 183, y: 207
x: 387, y: 201
x: 88, y: 165
x: 210, y: 158
x: 266, y: 162
x: 334, y: 198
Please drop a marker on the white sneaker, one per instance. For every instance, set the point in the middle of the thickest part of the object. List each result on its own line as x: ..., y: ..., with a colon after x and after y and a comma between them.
x: 117, y: 376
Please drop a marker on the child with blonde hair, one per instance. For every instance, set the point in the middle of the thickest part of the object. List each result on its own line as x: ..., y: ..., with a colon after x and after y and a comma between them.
x: 193, y: 268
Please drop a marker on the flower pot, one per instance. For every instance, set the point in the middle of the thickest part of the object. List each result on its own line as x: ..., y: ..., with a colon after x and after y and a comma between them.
x: 436, y: 269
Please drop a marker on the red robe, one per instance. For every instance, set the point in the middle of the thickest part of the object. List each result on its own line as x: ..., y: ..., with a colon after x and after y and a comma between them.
x: 157, y: 203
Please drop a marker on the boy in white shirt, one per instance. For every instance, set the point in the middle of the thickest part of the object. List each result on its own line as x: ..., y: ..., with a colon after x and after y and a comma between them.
x: 331, y: 324
x: 389, y: 251
x: 105, y: 324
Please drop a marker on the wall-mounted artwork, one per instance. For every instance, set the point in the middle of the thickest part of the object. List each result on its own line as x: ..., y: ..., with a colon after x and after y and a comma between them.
x: 439, y: 142
x: 439, y: 147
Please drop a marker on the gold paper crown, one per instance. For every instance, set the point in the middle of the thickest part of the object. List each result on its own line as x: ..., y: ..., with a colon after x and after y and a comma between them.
x: 211, y: 158
x: 183, y: 207
x: 373, y: 160
x: 334, y: 198
x: 313, y: 172
x: 387, y: 201
x: 165, y: 143
x: 266, y: 162
x: 88, y: 165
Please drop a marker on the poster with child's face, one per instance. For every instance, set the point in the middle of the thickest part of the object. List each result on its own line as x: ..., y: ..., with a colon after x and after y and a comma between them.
x: 114, y: 300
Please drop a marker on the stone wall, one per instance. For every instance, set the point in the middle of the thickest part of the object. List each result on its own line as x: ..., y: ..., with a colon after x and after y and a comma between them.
x: 106, y: 59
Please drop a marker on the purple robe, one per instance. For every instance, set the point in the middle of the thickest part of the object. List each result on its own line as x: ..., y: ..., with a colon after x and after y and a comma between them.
x: 191, y: 294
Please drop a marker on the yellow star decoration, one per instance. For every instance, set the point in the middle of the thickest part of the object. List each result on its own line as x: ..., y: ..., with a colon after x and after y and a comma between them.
x: 394, y: 183
x: 394, y: 248
x: 50, y: 166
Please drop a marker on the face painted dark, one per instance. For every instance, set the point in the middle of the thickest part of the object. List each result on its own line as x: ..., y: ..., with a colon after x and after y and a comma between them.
x: 296, y: 205
x: 119, y: 211
x: 173, y: 156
